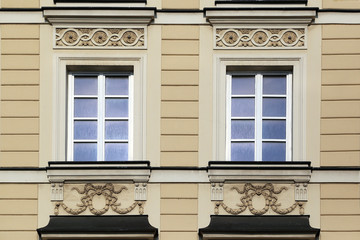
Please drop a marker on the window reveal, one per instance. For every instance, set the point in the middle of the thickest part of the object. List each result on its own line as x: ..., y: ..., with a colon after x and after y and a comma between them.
x: 258, y: 121
x: 100, y: 117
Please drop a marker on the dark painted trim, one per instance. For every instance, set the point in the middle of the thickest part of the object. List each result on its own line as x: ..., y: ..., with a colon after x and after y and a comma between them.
x: 22, y: 169
x: 20, y: 10
x: 257, y: 163
x: 98, y: 163
x: 336, y: 168
x: 99, y: 8
x: 180, y: 10
x: 261, y: 8
x: 340, y: 10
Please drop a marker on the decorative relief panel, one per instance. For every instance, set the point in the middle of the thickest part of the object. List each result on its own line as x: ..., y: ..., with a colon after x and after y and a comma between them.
x: 259, y: 200
x: 98, y: 199
x: 100, y: 38
x: 260, y: 38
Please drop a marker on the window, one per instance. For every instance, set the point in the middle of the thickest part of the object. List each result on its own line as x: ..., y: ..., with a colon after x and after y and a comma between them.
x: 100, y: 116
x: 258, y: 116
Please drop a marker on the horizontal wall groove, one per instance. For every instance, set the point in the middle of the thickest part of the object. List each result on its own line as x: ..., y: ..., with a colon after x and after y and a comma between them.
x: 180, y: 101
x: 22, y: 134
x: 180, y: 135
x: 16, y: 151
x: 31, y: 117
x: 339, y: 215
x: 337, y: 54
x: 19, y: 85
x: 21, y: 54
x: 181, y: 85
x: 175, y: 55
x: 174, y: 118
x: 177, y: 151
x: 339, y: 150
x: 339, y: 69
x: 337, y: 199
x: 341, y: 39
x: 341, y: 100
x: 339, y: 85
x: 344, y: 117
x: 341, y: 134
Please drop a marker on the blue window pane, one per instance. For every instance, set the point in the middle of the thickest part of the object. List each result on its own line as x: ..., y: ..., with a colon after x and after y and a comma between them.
x: 273, y: 151
x: 274, y: 107
x: 116, y: 130
x: 274, y: 85
x: 116, y: 107
x: 274, y: 129
x: 85, y: 151
x: 85, y: 130
x: 242, y: 129
x: 243, y: 151
x: 87, y: 85
x: 242, y: 107
x: 242, y: 85
x: 116, y: 151
x: 85, y: 107
x: 117, y: 86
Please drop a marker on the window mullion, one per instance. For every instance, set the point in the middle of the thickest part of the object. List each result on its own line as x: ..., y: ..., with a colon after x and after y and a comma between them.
x: 70, y: 130
x: 258, y: 117
x: 101, y: 117
x: 288, y: 117
x: 228, y: 116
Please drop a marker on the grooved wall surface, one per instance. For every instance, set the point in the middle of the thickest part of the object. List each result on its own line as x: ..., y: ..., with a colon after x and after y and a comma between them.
x: 340, y: 211
x: 19, y: 120
x: 179, y: 95
x: 179, y: 211
x: 340, y: 107
x: 18, y: 211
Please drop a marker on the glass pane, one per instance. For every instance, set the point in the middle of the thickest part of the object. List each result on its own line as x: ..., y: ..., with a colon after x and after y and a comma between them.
x: 85, y: 107
x: 274, y: 129
x: 243, y: 151
x: 242, y: 129
x: 242, y: 107
x: 86, y: 85
x: 242, y: 85
x: 116, y: 151
x: 85, y: 130
x: 274, y: 85
x: 116, y: 107
x: 117, y: 86
x: 116, y: 130
x: 274, y: 107
x: 85, y: 151
x: 273, y: 151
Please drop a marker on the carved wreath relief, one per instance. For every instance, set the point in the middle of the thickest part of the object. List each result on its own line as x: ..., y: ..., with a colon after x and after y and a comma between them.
x: 268, y: 192
x: 108, y: 191
x: 100, y: 37
x: 260, y: 38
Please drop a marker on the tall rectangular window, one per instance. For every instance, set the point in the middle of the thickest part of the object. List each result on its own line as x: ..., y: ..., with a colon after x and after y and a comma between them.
x: 100, y: 117
x: 258, y: 116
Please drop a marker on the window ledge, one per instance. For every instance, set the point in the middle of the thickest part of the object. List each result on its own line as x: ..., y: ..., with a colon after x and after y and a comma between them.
x: 99, y: 15
x: 224, y: 171
x: 132, y: 171
x: 261, y: 15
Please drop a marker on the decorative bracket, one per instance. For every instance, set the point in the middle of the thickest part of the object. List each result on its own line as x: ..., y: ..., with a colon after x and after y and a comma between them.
x: 217, y: 191
x: 57, y: 192
x: 140, y: 191
x: 301, y: 192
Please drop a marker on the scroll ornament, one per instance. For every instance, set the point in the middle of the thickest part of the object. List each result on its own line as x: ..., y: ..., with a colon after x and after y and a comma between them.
x: 267, y: 191
x: 111, y: 201
x: 100, y: 37
x: 260, y: 38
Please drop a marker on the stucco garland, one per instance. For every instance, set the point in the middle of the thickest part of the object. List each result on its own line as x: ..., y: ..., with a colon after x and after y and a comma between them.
x: 111, y: 200
x: 268, y: 191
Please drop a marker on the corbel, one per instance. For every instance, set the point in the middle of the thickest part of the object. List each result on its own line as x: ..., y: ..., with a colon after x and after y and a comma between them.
x: 140, y: 191
x: 217, y: 191
x: 301, y: 192
x: 57, y: 191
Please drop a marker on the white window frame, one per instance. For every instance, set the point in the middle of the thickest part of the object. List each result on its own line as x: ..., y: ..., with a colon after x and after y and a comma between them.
x: 59, y: 106
x: 263, y: 60
x: 258, y: 113
x: 101, y: 114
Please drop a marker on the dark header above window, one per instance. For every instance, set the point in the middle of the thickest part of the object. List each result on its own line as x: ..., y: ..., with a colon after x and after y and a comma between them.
x: 100, y: 1
x: 262, y: 2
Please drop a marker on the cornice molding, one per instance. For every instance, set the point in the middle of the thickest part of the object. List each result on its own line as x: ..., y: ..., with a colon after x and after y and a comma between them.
x: 247, y: 16
x: 83, y: 15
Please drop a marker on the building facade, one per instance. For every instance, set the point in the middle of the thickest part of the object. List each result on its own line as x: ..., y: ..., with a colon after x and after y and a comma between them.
x: 192, y: 119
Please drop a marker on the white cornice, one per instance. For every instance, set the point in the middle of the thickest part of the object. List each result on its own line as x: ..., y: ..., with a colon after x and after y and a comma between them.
x: 262, y: 16
x: 141, y: 16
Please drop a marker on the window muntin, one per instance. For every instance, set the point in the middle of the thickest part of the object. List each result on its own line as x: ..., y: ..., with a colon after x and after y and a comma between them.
x: 100, y: 123
x: 258, y: 116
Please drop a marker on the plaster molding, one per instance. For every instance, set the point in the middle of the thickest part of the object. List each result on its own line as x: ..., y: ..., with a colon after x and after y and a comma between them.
x: 246, y: 16
x: 105, y: 37
x: 268, y: 192
x: 259, y: 38
x: 108, y: 191
x: 91, y: 16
